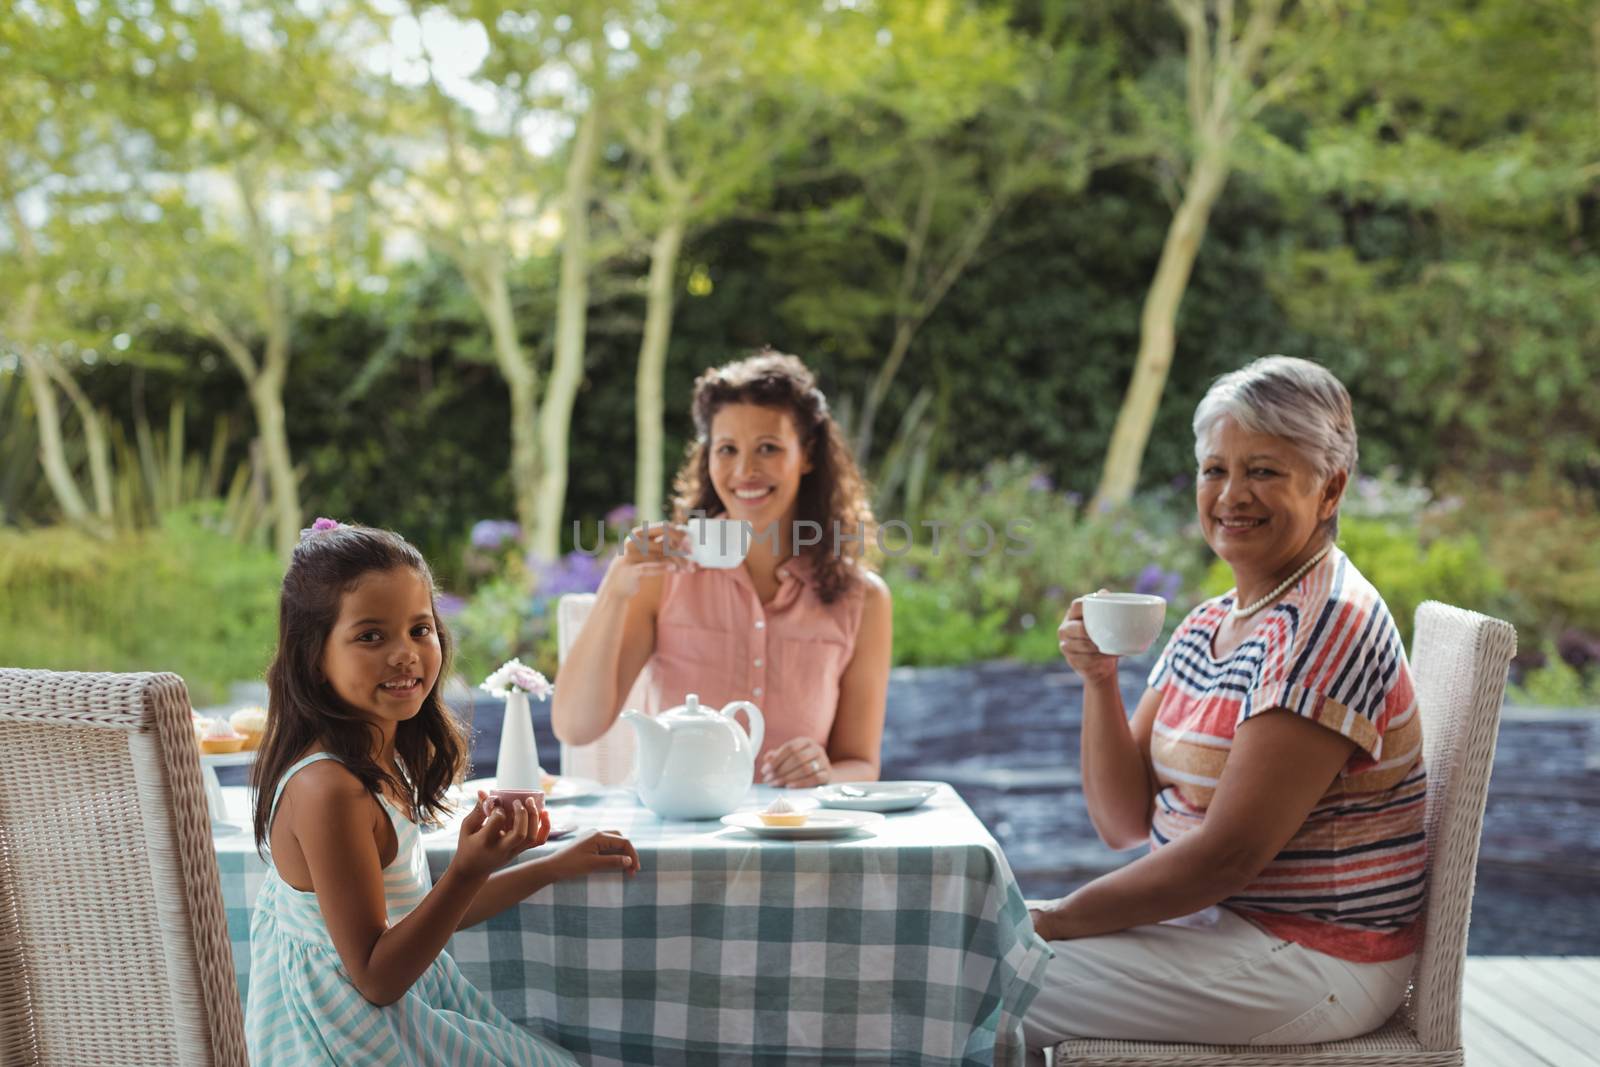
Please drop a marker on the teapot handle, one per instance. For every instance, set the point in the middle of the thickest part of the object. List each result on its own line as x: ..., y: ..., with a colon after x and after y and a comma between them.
x: 758, y: 725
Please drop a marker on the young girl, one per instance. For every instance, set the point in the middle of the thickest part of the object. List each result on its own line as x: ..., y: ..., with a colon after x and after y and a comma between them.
x: 346, y: 943
x: 801, y: 628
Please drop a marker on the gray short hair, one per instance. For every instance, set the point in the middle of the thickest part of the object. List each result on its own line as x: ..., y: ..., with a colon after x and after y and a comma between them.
x: 1295, y: 399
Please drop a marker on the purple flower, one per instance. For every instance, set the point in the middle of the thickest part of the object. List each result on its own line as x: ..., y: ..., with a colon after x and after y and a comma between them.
x: 576, y: 572
x: 1041, y: 483
x: 1074, y: 499
x: 1160, y: 581
x: 622, y: 516
x: 325, y: 524
x: 451, y: 605
x: 491, y: 534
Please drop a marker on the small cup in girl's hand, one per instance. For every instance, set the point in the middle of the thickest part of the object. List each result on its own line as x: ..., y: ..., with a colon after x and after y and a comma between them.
x: 507, y: 797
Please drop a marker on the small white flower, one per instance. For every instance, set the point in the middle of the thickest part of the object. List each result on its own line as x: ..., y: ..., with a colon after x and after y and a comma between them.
x: 513, y: 675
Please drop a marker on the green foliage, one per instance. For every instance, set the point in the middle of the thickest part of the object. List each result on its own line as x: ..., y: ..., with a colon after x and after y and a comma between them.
x: 1543, y: 536
x: 971, y: 597
x: 1557, y: 684
x: 185, y: 597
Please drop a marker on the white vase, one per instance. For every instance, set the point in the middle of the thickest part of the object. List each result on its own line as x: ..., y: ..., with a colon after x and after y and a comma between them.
x: 518, y: 766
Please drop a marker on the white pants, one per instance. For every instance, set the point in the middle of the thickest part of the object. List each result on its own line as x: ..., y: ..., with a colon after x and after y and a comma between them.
x: 1211, y: 978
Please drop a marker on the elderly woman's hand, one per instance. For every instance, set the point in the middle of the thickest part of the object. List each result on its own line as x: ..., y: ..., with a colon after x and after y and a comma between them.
x: 1081, y: 654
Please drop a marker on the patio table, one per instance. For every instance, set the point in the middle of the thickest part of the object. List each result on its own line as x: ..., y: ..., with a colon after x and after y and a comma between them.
x: 909, y: 945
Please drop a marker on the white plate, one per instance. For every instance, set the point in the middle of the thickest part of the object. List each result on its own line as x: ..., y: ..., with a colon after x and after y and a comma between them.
x: 820, y: 824
x: 881, y: 796
x: 228, y: 759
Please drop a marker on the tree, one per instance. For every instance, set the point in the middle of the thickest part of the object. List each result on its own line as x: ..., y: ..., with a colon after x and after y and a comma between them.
x: 63, y: 105
x: 950, y: 119
x: 1450, y: 241
x: 1234, y: 67
x: 722, y: 88
x: 236, y: 204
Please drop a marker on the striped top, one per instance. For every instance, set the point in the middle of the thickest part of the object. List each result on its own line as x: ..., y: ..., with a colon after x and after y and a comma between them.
x: 1350, y: 882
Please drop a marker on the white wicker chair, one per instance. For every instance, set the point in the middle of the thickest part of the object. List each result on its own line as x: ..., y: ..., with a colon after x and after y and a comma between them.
x: 113, y: 942
x: 609, y: 760
x: 1459, y: 660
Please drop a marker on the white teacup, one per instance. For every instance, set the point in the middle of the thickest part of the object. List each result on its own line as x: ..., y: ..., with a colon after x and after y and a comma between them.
x: 1123, y: 624
x: 718, y: 543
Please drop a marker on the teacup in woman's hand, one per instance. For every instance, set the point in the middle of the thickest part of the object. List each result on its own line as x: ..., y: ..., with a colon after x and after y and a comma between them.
x: 718, y: 543
x: 506, y: 798
x: 1123, y: 624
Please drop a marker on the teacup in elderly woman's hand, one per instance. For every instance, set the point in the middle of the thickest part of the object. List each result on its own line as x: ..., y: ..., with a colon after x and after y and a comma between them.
x: 1123, y: 624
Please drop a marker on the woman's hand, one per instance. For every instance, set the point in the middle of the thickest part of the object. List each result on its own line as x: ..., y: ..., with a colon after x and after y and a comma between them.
x: 593, y: 852
x: 491, y: 839
x: 1048, y: 924
x: 650, y: 550
x: 1081, y: 654
x: 798, y: 763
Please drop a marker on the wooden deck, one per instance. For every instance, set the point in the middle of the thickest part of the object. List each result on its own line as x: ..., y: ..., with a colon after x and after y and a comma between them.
x: 1522, y: 1011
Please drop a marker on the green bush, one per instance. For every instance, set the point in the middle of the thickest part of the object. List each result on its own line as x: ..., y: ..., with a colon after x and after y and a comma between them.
x: 183, y: 597
x: 968, y: 600
x: 1557, y: 684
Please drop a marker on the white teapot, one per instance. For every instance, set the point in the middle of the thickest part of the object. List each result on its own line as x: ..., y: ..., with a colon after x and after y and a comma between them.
x: 693, y: 762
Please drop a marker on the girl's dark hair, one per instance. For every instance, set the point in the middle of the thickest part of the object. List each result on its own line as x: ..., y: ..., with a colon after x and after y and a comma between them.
x: 833, y: 491
x: 303, y: 708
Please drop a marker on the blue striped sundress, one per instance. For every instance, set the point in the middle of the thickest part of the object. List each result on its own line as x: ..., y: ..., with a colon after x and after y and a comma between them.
x: 304, y: 1009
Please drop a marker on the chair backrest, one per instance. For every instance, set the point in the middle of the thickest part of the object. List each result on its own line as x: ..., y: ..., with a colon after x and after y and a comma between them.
x: 113, y: 941
x: 610, y: 759
x: 1459, y: 661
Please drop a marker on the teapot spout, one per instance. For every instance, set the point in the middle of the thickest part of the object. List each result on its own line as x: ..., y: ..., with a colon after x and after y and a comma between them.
x: 651, y: 750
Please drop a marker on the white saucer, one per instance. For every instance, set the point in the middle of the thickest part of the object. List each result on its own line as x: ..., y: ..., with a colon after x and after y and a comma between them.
x: 564, y: 788
x: 881, y: 796
x: 820, y: 824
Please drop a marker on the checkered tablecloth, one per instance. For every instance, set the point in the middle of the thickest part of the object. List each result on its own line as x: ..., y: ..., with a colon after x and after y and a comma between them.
x: 911, y: 945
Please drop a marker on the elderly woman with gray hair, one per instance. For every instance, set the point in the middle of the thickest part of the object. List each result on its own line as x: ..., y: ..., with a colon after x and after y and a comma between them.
x: 1274, y: 765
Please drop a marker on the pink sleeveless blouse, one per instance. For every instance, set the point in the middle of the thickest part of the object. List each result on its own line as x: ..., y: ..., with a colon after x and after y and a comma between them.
x: 716, y: 639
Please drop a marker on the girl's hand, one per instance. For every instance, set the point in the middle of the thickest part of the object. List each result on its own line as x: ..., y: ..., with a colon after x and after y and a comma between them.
x: 593, y: 852
x: 491, y: 839
x: 1081, y: 654
x: 798, y: 763
x: 652, y: 549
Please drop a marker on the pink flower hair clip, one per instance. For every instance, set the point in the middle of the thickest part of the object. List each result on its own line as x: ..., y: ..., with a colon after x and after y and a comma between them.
x: 321, y: 525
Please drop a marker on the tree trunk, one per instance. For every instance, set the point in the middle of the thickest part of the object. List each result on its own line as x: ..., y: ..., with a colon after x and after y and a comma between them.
x: 904, y: 331
x: 487, y: 279
x: 20, y: 321
x: 572, y: 319
x: 95, y: 441
x: 266, y: 398
x: 52, y: 451
x: 1157, y: 326
x: 649, y: 404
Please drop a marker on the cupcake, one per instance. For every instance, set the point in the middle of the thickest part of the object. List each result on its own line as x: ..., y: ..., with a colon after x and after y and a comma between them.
x: 220, y: 737
x: 782, y: 813
x: 252, y: 723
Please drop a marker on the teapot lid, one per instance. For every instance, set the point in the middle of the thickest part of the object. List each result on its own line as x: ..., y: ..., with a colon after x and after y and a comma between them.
x: 690, y: 706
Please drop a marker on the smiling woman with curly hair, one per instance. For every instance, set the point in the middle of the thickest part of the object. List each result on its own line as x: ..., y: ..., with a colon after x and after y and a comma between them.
x: 802, y: 628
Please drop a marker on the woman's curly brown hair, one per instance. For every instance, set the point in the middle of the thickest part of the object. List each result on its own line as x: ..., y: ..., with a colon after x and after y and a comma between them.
x: 833, y: 491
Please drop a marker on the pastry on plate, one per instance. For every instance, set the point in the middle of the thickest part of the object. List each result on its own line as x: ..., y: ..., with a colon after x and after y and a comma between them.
x: 782, y: 813
x: 220, y: 738
x: 252, y: 723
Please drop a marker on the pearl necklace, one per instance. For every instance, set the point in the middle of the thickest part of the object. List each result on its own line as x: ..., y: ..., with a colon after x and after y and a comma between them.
x: 1249, y: 610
